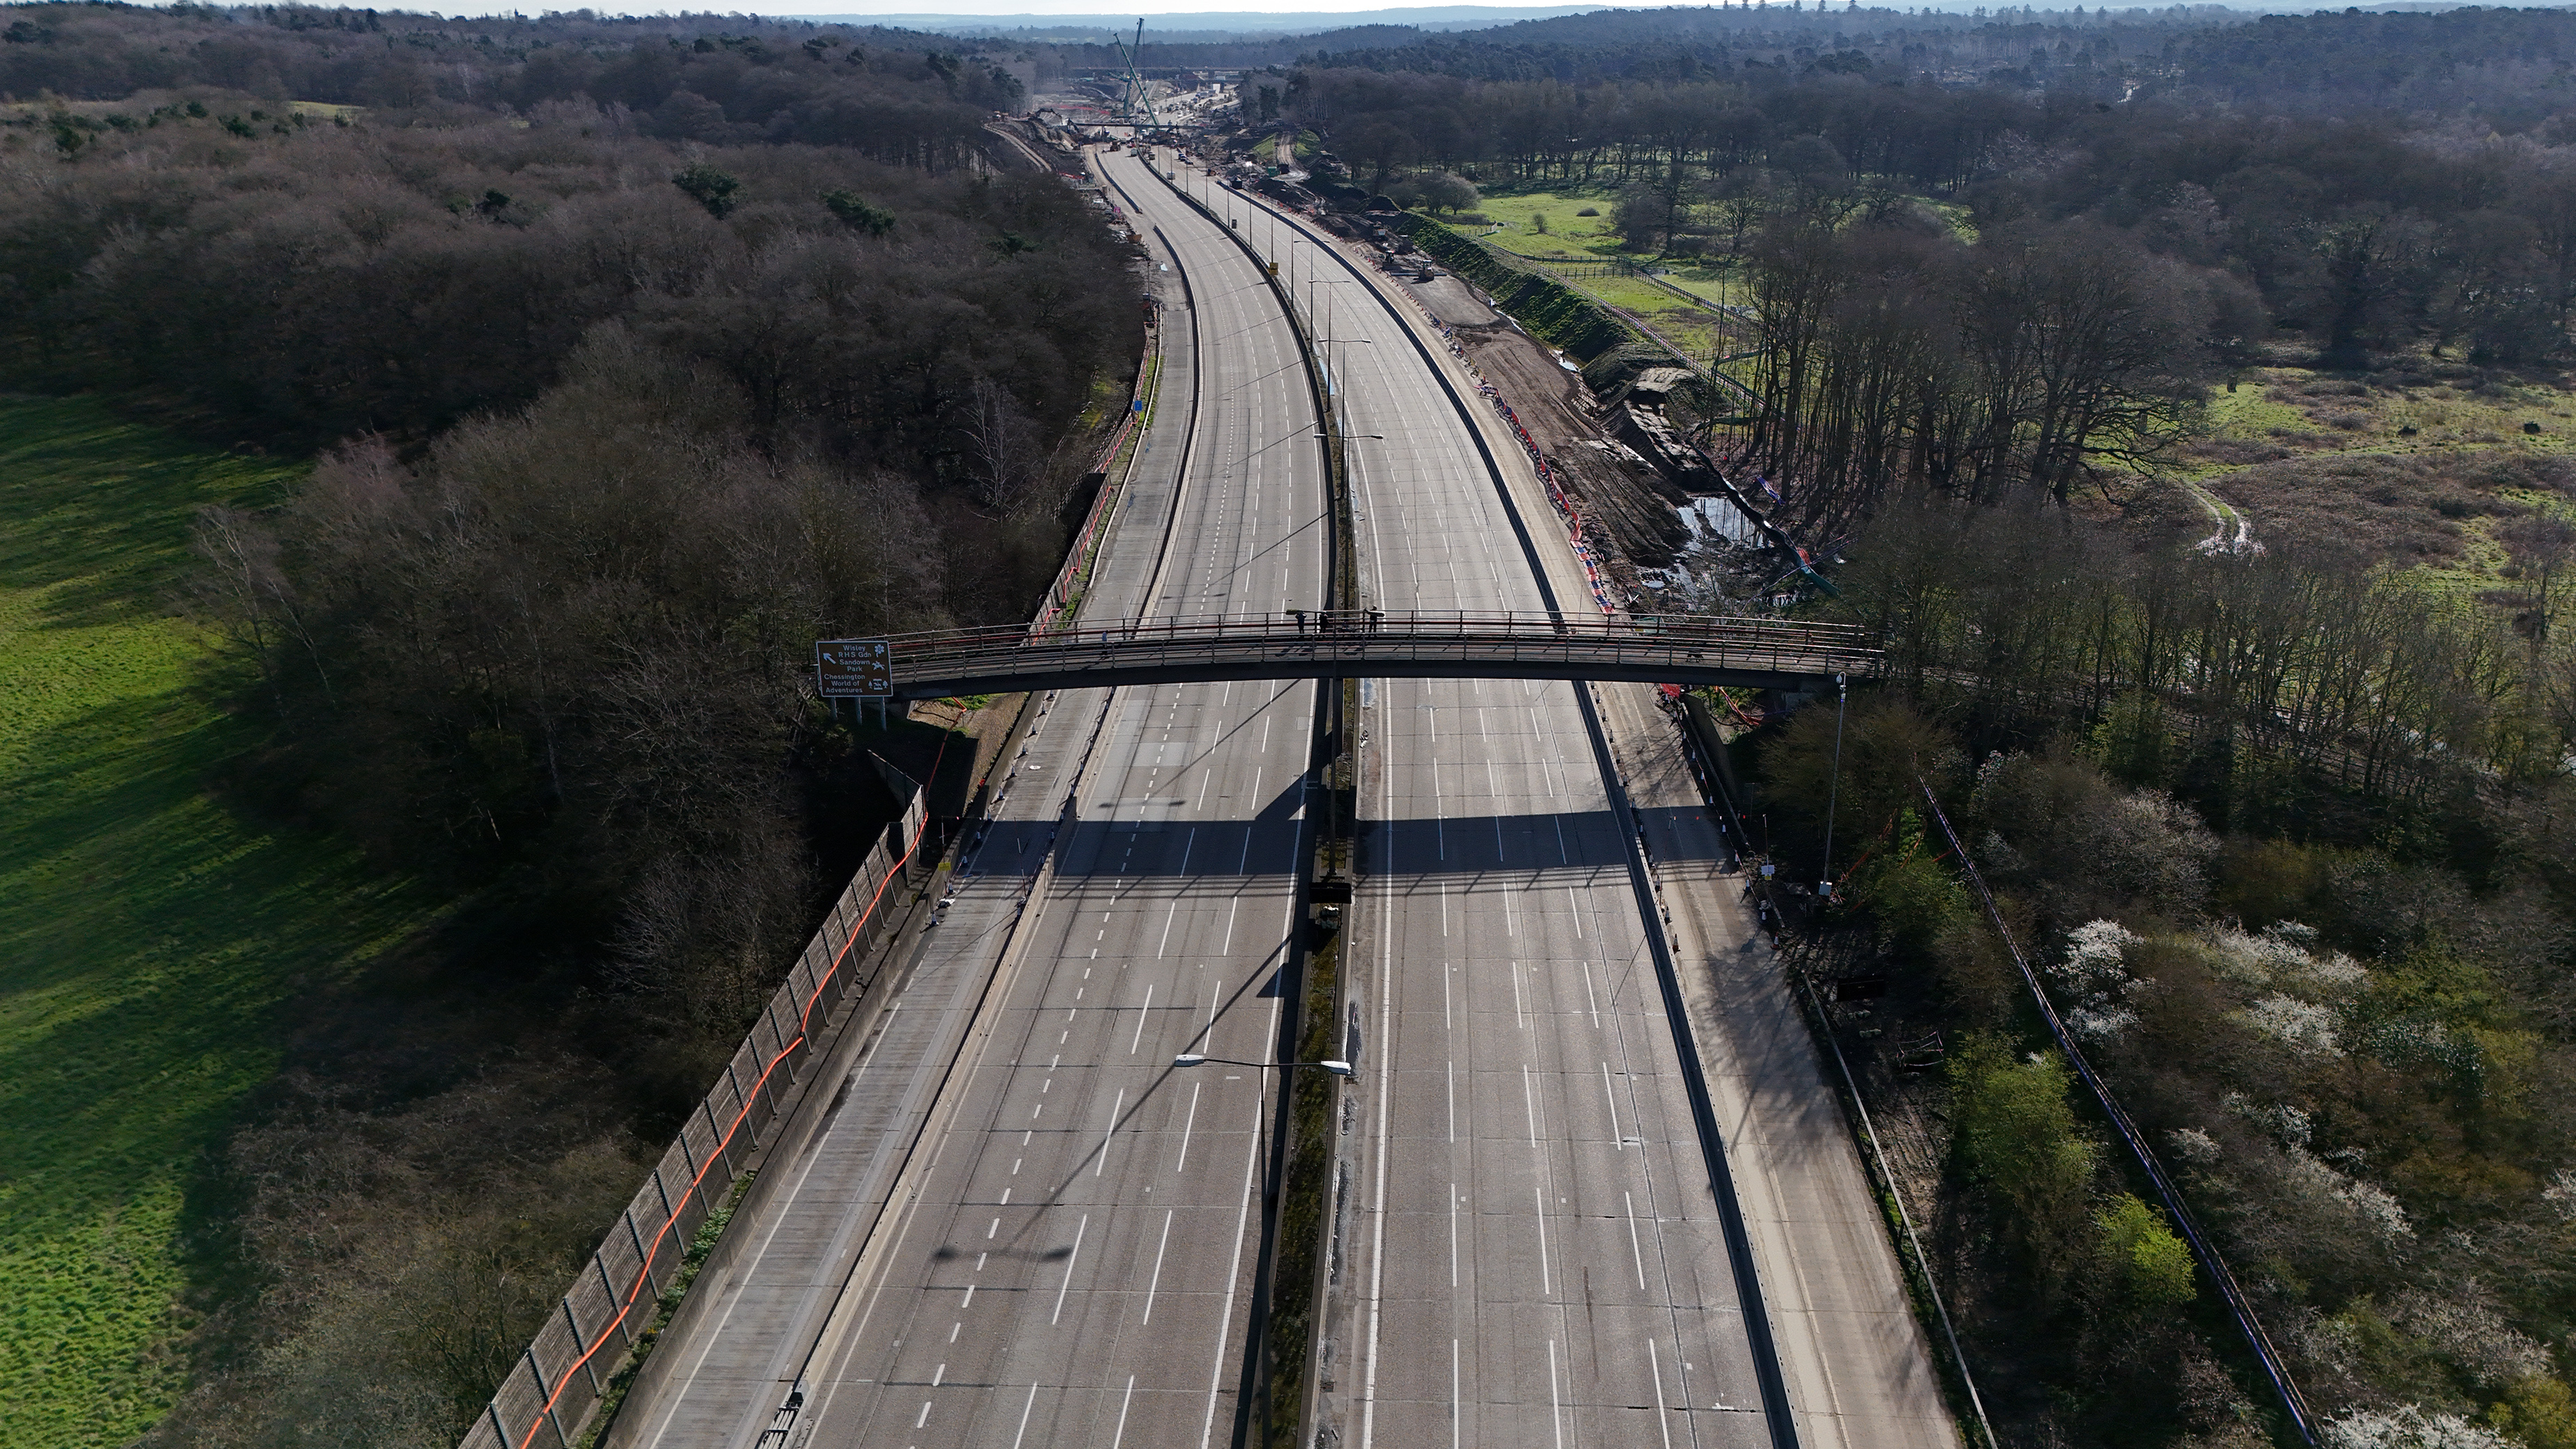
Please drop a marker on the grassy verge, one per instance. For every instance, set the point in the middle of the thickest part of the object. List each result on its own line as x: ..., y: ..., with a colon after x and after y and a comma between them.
x: 148, y: 934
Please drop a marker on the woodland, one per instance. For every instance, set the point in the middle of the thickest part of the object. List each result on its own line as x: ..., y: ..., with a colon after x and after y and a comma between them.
x: 2276, y: 818
x: 627, y: 360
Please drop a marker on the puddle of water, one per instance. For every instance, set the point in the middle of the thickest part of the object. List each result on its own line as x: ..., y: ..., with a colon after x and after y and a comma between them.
x: 1716, y: 518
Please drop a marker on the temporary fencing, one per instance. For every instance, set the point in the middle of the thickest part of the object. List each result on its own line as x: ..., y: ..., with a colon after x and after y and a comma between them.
x: 561, y: 1375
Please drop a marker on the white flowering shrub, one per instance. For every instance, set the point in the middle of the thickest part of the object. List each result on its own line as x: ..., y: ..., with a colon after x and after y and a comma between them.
x: 2094, y: 980
x: 2407, y: 1428
x: 2466, y: 1327
x: 2561, y: 1194
x: 2192, y: 1145
x: 2304, y: 1025
x: 2370, y: 1205
x: 2093, y: 965
x: 2283, y: 955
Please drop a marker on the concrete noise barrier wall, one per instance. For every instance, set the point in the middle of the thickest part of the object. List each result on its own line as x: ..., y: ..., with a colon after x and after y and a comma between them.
x: 613, y: 1298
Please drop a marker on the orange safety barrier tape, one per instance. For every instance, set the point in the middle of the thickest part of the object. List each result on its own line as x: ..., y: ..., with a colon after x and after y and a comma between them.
x: 643, y: 1271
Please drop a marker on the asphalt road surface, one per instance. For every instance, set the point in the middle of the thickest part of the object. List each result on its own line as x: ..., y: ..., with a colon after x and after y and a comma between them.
x: 1053, y: 1242
x: 1539, y: 1258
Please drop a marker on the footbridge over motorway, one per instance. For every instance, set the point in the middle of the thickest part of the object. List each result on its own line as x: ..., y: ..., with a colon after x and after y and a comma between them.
x: 1322, y: 644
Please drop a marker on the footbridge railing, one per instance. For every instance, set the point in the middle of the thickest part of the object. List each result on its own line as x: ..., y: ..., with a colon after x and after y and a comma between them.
x: 1651, y: 648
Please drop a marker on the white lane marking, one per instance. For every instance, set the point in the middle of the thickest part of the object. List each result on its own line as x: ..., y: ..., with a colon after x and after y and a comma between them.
x: 1590, y: 1001
x: 1453, y: 1103
x: 1555, y: 1401
x: 1243, y: 1206
x: 1377, y: 1205
x: 1453, y: 1235
x: 1520, y: 1009
x: 1141, y: 1013
x: 1633, y: 1245
x: 1538, y: 1191
x: 970, y: 1288
x: 1069, y: 1260
x: 1121, y: 1435
x: 1454, y: 1408
x: 1538, y: 1196
x: 1165, y: 942
x: 1617, y: 1143
x: 1663, y: 1419
x: 988, y: 1236
x: 1109, y: 1132
x: 1157, y: 1280
x: 1182, y: 1162
x: 1031, y: 1403
x: 925, y: 1415
x: 953, y: 1329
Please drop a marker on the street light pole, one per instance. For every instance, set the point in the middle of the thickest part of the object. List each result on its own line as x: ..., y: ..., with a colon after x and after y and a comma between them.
x: 1833, y: 787
x: 1195, y: 1059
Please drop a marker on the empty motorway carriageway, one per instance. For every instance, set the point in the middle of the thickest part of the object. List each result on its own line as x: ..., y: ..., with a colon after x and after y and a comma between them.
x: 1563, y: 1211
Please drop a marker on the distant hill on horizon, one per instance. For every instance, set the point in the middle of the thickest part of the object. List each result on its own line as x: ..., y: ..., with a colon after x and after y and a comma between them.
x: 1214, y: 23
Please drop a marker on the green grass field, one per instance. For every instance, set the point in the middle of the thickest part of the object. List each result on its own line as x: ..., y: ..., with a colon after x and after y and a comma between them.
x: 147, y: 936
x: 1578, y: 238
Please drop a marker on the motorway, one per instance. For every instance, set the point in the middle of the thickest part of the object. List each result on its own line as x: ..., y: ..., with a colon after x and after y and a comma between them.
x: 1854, y: 1371
x: 1016, y: 1224
x: 1065, y: 1257
x: 1540, y: 1260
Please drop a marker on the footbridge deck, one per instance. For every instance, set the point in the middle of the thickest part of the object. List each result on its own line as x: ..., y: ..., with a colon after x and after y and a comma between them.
x: 1647, y: 648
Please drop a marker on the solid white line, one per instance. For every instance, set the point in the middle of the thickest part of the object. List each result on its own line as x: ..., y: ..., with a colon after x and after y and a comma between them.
x: 1453, y: 1103
x: 1617, y: 1143
x: 1453, y: 1235
x: 1148, y: 1008
x: 1456, y: 1414
x: 1190, y: 1122
x: 1110, y: 1132
x: 1069, y: 1260
x: 1158, y: 1267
